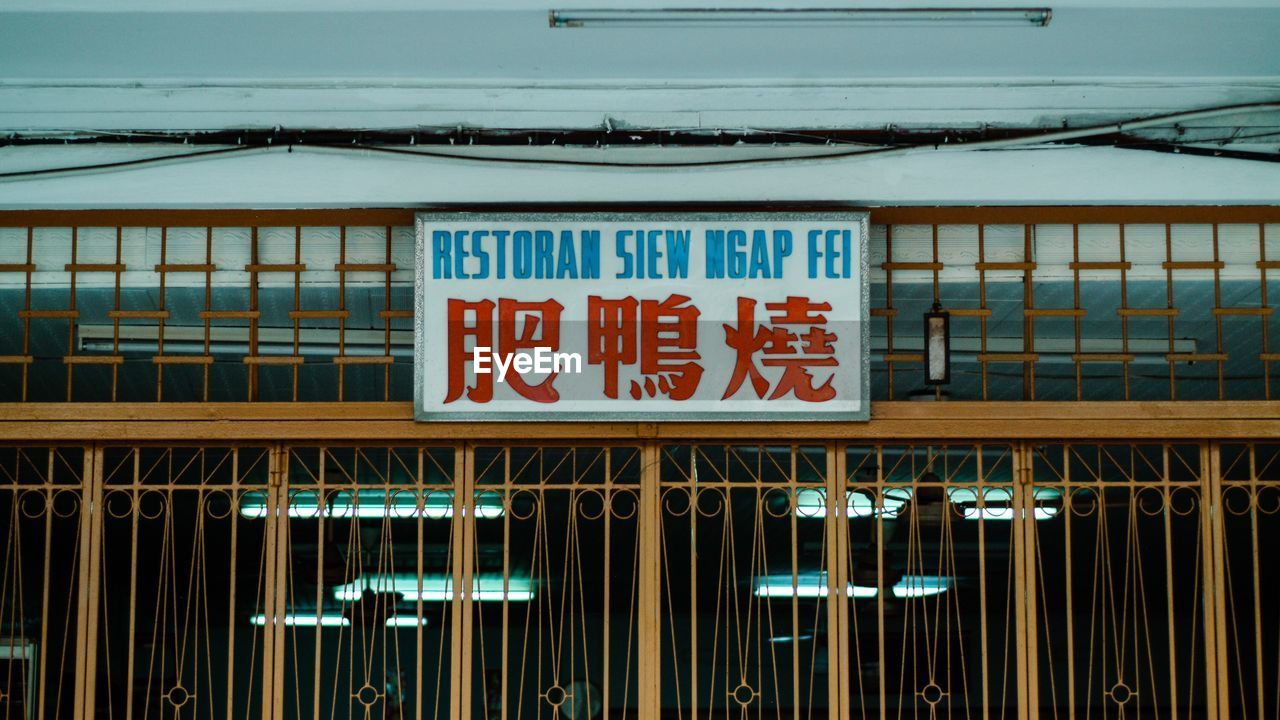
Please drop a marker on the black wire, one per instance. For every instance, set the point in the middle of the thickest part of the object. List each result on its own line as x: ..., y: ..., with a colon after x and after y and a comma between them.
x: 1152, y: 146
x: 125, y: 163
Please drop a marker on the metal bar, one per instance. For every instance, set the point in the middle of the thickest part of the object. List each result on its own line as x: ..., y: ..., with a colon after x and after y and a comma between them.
x: 1214, y: 509
x: 649, y: 580
x: 836, y: 659
x: 1192, y: 265
x: 88, y: 589
x: 275, y: 268
x: 1023, y: 626
x: 94, y: 267
x: 1025, y: 523
x: 275, y: 561
x: 138, y: 314
x: 1209, y: 557
x: 186, y: 267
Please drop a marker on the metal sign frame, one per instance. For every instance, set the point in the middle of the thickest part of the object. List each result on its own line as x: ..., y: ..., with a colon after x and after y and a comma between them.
x: 860, y: 218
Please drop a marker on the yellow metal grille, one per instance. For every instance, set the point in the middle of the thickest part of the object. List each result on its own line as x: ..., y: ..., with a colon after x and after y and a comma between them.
x: 876, y: 580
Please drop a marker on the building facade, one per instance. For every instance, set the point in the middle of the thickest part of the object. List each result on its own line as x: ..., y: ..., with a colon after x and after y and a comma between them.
x: 219, y: 502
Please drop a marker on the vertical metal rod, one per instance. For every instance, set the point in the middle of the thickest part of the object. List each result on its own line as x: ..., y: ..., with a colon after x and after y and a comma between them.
x: 649, y: 623
x: 273, y: 591
x: 320, y: 528
x: 26, y: 316
x: 835, y: 590
x: 1026, y: 520
x: 982, y: 587
x: 71, y: 321
x: 888, y: 301
x: 342, y: 324
x: 1124, y: 317
x: 461, y: 582
x: 506, y: 590
x: 253, y: 309
x: 693, y: 585
x: 1219, y: 579
x: 1029, y: 321
x: 1022, y: 624
x: 1263, y: 319
x: 386, y: 320
x: 794, y: 547
x: 44, y: 586
x: 1070, y: 593
x: 133, y: 581
x: 115, y: 320
x: 208, y: 321
x: 1257, y: 579
x: 1169, y: 587
x: 1075, y: 294
x: 982, y: 304
x: 608, y: 563
x: 423, y: 491
x: 164, y: 249
x: 87, y: 603
x: 880, y: 588
x: 1217, y: 318
x: 231, y: 582
x: 1213, y: 691
x: 838, y: 473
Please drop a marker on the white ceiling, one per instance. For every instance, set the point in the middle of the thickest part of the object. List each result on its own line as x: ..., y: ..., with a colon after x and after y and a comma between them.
x: 130, y: 64
x: 1201, y: 42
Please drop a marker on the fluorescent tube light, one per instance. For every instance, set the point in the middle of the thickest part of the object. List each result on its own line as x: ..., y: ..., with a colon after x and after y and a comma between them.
x: 812, y: 585
x: 790, y: 638
x: 997, y: 503
x: 406, y: 621
x: 365, y: 504
x: 801, y: 17
x: 812, y: 503
x: 337, y: 621
x: 436, y: 588
x: 305, y: 620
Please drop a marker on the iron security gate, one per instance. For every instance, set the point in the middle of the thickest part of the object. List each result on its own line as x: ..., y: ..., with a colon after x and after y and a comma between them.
x: 804, y: 580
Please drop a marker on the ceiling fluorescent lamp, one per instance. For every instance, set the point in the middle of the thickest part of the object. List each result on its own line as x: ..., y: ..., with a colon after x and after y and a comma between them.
x: 406, y: 621
x: 436, y: 589
x: 304, y: 620
x: 812, y: 503
x: 367, y: 504
x: 802, y: 17
x: 815, y: 586
x: 997, y: 503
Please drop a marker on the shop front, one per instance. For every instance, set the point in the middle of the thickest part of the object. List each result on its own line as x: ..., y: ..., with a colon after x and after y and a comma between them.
x: 812, y: 461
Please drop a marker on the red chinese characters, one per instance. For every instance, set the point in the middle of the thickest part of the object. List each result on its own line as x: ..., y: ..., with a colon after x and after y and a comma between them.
x: 796, y: 342
x: 644, y: 348
x: 517, y: 331
x: 663, y: 334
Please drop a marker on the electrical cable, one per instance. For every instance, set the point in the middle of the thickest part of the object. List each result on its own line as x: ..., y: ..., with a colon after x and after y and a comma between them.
x: 159, y: 160
x: 1057, y: 136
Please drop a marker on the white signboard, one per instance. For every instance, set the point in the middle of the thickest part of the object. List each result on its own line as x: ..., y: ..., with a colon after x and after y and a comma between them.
x: 745, y: 316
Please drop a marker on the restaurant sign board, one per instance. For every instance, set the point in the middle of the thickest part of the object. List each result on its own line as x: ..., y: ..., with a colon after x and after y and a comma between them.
x: 641, y: 316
